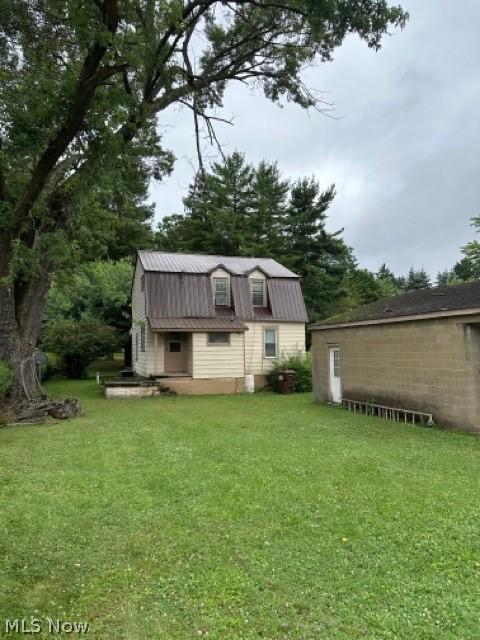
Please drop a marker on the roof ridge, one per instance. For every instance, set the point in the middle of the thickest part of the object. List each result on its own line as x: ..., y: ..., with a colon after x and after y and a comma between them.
x: 177, y: 262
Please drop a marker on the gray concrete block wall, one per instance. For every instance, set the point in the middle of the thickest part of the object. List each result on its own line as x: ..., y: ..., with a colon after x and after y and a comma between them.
x: 424, y: 365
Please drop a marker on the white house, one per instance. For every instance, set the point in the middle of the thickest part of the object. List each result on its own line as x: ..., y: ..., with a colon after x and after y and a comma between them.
x: 204, y: 322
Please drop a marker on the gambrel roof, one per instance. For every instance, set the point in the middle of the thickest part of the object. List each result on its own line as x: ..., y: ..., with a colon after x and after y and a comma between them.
x: 178, y: 287
x: 197, y: 263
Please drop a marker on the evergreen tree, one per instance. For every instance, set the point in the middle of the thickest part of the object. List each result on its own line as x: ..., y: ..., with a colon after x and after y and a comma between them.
x: 417, y: 279
x: 268, y: 211
x: 389, y: 284
x: 218, y: 214
x: 384, y: 273
x: 239, y: 210
x: 317, y: 255
x: 447, y: 278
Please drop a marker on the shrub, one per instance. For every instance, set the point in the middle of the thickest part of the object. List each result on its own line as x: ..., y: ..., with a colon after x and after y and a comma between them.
x: 51, y: 368
x: 5, y: 378
x: 78, y: 344
x: 301, y: 364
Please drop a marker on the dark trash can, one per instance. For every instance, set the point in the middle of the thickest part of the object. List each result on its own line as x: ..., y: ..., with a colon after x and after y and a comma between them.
x: 286, y: 381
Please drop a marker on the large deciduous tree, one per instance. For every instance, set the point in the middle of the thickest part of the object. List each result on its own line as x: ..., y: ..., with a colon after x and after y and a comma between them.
x: 82, y: 87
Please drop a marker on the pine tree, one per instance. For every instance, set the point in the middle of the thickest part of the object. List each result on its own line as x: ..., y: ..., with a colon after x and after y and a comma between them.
x: 417, y: 279
x: 311, y: 251
x: 218, y: 212
x: 239, y: 210
x: 447, y: 278
x: 267, y: 218
x: 388, y: 283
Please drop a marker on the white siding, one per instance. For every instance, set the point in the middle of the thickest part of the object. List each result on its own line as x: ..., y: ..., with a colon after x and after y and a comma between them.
x: 243, y: 355
x: 151, y: 361
x: 291, y: 341
x: 217, y: 361
x: 256, y: 275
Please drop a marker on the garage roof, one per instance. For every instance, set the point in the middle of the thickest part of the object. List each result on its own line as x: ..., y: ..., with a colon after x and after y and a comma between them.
x: 439, y: 301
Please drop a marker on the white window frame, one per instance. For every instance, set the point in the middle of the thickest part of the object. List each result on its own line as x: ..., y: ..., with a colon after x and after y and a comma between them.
x: 217, y: 279
x: 261, y: 281
x: 336, y: 361
x: 275, y: 330
x: 218, y: 344
x: 142, y: 338
x: 136, y: 345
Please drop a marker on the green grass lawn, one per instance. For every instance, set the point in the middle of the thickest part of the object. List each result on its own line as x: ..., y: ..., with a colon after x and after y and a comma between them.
x: 239, y: 518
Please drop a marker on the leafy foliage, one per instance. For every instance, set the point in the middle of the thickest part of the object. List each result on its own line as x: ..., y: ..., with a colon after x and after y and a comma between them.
x: 78, y: 344
x: 97, y: 291
x: 301, y: 364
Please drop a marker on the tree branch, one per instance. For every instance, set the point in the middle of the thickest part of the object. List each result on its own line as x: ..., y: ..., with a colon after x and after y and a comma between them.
x: 91, y: 76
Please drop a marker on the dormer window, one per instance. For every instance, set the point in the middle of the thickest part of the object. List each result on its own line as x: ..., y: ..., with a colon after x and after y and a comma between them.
x: 257, y: 287
x: 221, y: 292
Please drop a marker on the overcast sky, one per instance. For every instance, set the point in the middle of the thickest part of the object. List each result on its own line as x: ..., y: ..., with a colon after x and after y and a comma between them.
x: 404, y: 148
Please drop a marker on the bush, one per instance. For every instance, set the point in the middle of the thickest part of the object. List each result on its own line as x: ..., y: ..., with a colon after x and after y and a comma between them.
x: 78, y: 344
x: 52, y: 367
x: 5, y: 378
x: 301, y: 364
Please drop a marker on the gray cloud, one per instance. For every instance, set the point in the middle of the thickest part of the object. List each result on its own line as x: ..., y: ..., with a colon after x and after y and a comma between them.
x: 403, y: 149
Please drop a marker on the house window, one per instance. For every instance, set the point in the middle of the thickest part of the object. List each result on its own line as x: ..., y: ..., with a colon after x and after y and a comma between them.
x: 270, y: 343
x: 175, y: 343
x: 221, y: 292
x: 336, y: 363
x: 142, y: 284
x: 218, y: 338
x: 142, y: 338
x: 136, y: 346
x: 257, y: 287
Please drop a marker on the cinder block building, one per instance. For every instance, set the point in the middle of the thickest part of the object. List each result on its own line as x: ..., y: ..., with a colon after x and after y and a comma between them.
x: 418, y: 351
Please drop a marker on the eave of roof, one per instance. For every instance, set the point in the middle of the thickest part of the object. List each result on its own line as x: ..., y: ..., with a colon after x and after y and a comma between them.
x: 220, y: 324
x: 409, y: 318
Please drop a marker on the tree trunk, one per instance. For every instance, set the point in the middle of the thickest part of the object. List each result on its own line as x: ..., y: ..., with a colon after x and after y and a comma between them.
x: 21, y: 309
x: 17, y: 343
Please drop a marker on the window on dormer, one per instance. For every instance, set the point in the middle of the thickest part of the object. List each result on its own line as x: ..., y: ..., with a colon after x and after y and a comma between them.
x: 221, y: 292
x: 257, y: 287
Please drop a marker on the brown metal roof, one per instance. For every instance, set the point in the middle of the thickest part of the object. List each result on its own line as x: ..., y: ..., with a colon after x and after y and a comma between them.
x: 222, y: 324
x: 196, y: 263
x: 286, y: 300
x: 241, y: 297
x: 440, y: 300
x: 189, y: 295
x: 173, y: 295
